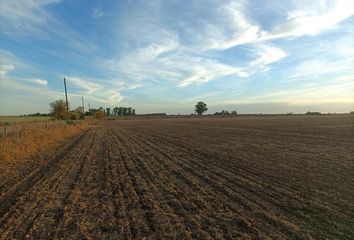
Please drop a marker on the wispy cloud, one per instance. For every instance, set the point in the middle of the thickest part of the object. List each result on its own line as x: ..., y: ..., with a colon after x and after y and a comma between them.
x: 97, y: 12
x: 31, y: 19
x: 89, y: 86
x: 4, y: 69
x: 311, y: 18
x: 330, y: 93
x: 345, y: 78
x: 41, y: 82
x: 20, y: 17
x: 104, y: 93
x: 267, y: 55
x: 315, y: 68
x: 231, y: 28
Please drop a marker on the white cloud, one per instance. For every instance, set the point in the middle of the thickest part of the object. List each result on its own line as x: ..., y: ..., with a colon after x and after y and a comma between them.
x: 335, y: 92
x: 201, y: 70
x: 4, y: 69
x: 311, y: 18
x: 134, y: 86
x: 227, y: 27
x: 108, y: 92
x: 87, y: 85
x: 30, y: 18
x: 113, y: 97
x: 41, y: 82
x: 164, y: 55
x: 97, y: 12
x: 267, y: 54
x: 166, y: 58
x: 316, y: 67
x: 24, y: 17
x: 181, y: 68
x: 344, y: 78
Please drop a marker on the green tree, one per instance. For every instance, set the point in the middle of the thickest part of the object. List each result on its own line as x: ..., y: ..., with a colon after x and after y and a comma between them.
x: 120, y: 111
x: 200, y: 108
x: 129, y: 111
x: 58, y: 109
x: 115, y: 111
x: 125, y: 111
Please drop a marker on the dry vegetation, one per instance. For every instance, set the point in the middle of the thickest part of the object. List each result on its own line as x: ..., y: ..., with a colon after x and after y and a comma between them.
x: 246, y: 177
x: 17, y: 119
x: 19, y: 146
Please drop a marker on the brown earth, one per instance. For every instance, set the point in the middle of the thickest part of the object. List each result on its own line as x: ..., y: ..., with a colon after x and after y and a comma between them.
x: 206, y: 178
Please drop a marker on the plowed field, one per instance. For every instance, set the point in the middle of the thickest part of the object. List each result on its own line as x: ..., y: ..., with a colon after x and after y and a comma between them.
x: 189, y: 178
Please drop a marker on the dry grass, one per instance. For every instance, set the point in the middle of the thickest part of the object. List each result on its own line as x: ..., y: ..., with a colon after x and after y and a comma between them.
x: 17, y: 148
x: 22, y: 119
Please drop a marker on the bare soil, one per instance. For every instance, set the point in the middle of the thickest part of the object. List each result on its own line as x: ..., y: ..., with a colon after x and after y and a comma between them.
x: 285, y: 177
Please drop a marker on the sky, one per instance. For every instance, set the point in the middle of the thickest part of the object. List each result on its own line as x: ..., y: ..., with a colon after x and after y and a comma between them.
x: 165, y: 55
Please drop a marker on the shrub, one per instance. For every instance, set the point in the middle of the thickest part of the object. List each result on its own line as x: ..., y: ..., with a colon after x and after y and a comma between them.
x: 99, y: 114
x: 75, y: 115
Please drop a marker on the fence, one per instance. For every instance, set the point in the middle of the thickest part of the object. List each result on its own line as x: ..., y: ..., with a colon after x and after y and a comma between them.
x: 16, y: 129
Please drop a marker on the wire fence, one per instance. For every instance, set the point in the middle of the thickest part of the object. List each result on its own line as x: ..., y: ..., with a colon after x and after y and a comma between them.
x: 16, y: 129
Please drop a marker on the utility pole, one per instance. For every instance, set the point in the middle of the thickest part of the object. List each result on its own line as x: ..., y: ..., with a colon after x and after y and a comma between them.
x: 67, y: 104
x: 83, y: 107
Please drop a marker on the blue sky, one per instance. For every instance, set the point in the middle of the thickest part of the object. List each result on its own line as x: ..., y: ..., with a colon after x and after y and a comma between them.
x: 164, y: 56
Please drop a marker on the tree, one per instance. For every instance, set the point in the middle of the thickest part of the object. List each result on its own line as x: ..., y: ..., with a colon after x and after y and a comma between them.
x: 120, y: 111
x: 58, y: 109
x: 200, y: 108
x: 133, y: 112
x: 129, y: 111
x: 80, y: 112
x: 125, y: 111
x: 115, y: 111
x: 225, y: 112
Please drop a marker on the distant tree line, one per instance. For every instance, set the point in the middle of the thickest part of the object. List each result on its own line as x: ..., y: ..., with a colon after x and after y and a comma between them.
x: 58, y: 110
x: 36, y: 115
x: 313, y: 113
x: 96, y: 112
x: 123, y: 111
x: 153, y: 114
x: 223, y: 112
x: 116, y: 111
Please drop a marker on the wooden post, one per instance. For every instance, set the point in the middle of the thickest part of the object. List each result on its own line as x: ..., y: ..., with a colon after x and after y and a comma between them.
x: 67, y: 104
x: 83, y: 107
